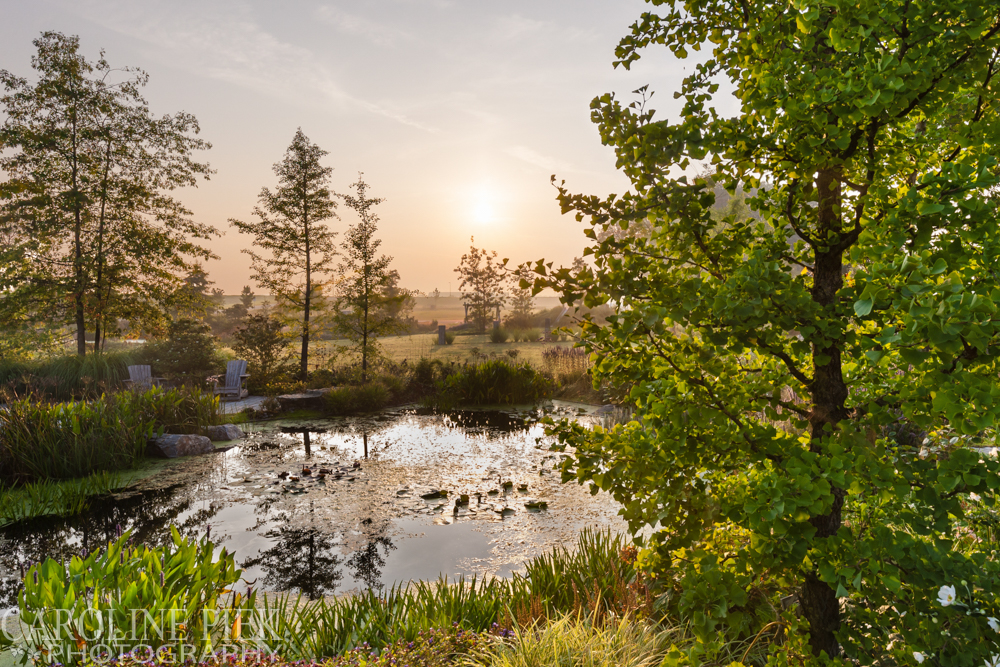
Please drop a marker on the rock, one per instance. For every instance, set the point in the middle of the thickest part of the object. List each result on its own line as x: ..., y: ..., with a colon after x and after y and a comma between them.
x: 434, y: 494
x: 225, y: 432
x: 172, y: 446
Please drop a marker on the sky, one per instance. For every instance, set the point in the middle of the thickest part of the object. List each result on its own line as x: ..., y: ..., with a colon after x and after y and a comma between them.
x: 457, y: 111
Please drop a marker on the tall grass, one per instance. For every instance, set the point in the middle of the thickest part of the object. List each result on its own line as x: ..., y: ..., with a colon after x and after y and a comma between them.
x: 559, y: 583
x: 41, y: 441
x: 491, y: 382
x: 67, y: 377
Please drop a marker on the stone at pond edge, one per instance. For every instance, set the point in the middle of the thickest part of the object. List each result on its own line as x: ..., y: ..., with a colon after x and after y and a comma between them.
x: 311, y: 399
x: 225, y: 432
x: 172, y: 446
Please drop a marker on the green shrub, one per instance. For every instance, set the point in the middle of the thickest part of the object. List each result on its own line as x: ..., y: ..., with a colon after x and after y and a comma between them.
x: 449, y: 338
x: 261, y: 340
x: 495, y: 381
x: 139, y: 587
x: 499, y: 335
x: 188, y: 355
x: 351, y: 400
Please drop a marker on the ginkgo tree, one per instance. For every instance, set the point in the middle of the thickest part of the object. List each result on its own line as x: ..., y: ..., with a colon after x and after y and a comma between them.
x: 811, y: 382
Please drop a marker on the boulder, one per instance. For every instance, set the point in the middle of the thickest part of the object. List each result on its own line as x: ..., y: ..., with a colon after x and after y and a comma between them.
x: 172, y: 446
x: 225, y: 432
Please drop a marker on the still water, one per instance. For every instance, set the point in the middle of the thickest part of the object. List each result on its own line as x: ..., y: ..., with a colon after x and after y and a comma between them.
x: 329, y: 506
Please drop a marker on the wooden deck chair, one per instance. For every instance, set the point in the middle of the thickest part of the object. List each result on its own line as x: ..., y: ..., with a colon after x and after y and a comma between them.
x: 235, y: 381
x: 140, y: 377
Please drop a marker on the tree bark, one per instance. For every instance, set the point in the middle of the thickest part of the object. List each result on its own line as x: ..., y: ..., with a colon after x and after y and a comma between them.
x: 304, y: 360
x: 829, y: 394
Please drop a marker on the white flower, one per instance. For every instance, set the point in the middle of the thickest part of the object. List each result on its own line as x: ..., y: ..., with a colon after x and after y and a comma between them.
x: 993, y: 662
x: 975, y: 497
x: 918, y: 656
x: 946, y: 596
x: 993, y: 623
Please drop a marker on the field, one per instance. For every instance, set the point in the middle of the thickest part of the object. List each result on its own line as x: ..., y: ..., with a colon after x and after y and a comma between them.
x: 413, y: 348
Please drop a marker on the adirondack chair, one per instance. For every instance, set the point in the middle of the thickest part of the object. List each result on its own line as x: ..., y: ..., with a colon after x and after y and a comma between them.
x: 140, y: 377
x: 235, y: 386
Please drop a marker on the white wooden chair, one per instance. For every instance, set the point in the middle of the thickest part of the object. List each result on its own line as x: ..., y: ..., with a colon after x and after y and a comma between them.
x: 140, y: 377
x: 235, y: 386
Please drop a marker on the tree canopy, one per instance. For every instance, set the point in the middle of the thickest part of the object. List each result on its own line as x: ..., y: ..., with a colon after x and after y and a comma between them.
x: 809, y: 385
x: 92, y: 232
x: 291, y: 230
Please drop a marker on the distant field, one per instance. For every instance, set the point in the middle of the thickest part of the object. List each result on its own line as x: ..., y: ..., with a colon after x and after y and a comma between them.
x: 413, y: 348
x: 446, y: 310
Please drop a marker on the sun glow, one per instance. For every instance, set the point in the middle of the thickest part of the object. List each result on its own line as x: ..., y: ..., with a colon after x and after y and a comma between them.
x: 484, y: 210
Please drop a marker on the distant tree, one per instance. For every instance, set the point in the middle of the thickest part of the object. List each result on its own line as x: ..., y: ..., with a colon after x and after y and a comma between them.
x: 522, y: 300
x: 263, y: 343
x: 482, y: 281
x: 247, y: 297
x: 292, y: 230
x: 369, y: 299
x: 91, y: 233
x: 436, y: 294
x: 192, y: 299
x: 217, y: 298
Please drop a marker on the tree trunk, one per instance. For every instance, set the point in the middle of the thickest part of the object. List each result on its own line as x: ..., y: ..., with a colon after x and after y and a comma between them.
x: 79, y: 286
x: 304, y: 360
x: 829, y: 394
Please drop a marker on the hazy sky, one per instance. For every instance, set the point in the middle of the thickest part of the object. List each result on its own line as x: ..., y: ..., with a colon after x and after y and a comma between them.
x: 457, y: 111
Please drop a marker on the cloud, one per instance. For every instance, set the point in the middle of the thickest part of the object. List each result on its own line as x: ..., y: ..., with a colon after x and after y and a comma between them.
x: 544, y: 162
x: 223, y: 42
x: 377, y: 33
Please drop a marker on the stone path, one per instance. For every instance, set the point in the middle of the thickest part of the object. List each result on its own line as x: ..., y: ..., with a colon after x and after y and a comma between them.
x: 232, y: 407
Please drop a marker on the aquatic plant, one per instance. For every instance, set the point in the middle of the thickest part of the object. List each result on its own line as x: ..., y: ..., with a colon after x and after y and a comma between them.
x: 494, y: 381
x: 62, y: 498
x: 129, y: 596
x: 65, y: 440
x: 351, y: 400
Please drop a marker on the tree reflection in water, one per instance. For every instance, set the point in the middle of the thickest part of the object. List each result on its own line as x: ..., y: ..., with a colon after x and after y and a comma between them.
x: 366, y: 564
x: 147, y: 514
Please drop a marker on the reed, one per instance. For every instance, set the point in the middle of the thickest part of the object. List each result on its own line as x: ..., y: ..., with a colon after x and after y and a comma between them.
x: 492, y: 382
x: 67, y: 377
x: 63, y: 498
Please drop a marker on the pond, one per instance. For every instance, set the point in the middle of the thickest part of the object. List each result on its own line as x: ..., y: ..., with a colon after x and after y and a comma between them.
x: 324, y: 507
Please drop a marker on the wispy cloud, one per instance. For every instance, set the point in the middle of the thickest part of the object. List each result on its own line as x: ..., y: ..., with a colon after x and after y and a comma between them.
x: 224, y: 42
x: 353, y: 24
x: 534, y: 158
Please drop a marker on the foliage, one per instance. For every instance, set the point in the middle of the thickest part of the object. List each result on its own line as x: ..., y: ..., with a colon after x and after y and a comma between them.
x: 522, y: 301
x: 369, y: 303
x: 482, y: 281
x: 354, y: 399
x: 41, y: 441
x: 575, y: 641
x: 92, y: 232
x: 65, y: 377
x: 564, y: 581
x: 62, y: 605
x: 263, y: 343
x: 493, y: 382
x: 291, y: 231
x: 59, y: 498
x: 499, y: 335
x: 449, y: 338
x: 767, y: 357
x: 188, y: 354
x: 64, y: 440
x: 247, y: 297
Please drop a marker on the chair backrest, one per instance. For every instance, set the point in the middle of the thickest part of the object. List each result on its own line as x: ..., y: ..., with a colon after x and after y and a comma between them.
x: 140, y: 375
x: 234, y: 369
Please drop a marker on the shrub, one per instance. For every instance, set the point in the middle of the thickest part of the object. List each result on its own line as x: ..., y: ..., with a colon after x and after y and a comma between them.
x: 495, y: 381
x: 351, y: 400
x: 449, y: 338
x: 264, y: 345
x: 188, y: 354
x: 499, y: 335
